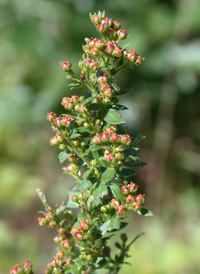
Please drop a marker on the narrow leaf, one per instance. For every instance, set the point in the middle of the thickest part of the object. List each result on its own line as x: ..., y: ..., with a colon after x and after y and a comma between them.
x: 119, y: 107
x: 86, y: 101
x: 125, y: 91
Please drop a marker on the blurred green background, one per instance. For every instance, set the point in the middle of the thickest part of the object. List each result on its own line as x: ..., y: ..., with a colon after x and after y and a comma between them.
x: 35, y: 36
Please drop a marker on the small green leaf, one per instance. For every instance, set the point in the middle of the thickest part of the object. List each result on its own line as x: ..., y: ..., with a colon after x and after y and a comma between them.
x: 114, y: 223
x: 113, y: 117
x: 117, y: 193
x: 135, y: 164
x: 125, y: 91
x: 86, y: 101
x: 104, y: 227
x: 144, y: 212
x: 108, y: 175
x: 87, y: 174
x: 115, y: 86
x: 126, y: 172
x: 105, y: 162
x: 83, y: 185
x: 95, y: 107
x: 119, y: 107
x: 129, y: 151
x: 62, y: 156
x: 101, y: 191
x: 70, y: 203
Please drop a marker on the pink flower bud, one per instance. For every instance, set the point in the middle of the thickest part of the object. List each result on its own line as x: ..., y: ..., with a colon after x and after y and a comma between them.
x: 139, y: 198
x: 105, y: 137
x: 102, y: 78
x: 106, y: 21
x: 136, y: 205
x: 72, y: 158
x: 133, y: 187
x: 96, y: 19
x: 108, y: 92
x: 16, y: 269
x: 48, y: 216
x: 125, y: 190
x: 57, y: 122
x: 83, y: 225
x: 60, y: 254
x: 74, y: 99
x: 121, y: 209
x: 62, y: 230
x: 79, y: 236
x: 74, y: 230
x: 117, y: 52
x: 122, y: 34
x: 130, y: 199
x: 97, y: 139
x: 53, y: 141
x: 126, y: 139
x: 52, y: 224
x: 66, y: 66
x: 139, y: 60
x: 116, y: 25
x: 99, y: 44
x: 114, y: 138
x: 42, y: 221
x: 57, y: 239
x: 65, y: 244
x: 115, y: 202
x: 50, y: 116
x: 112, y: 34
x: 27, y: 265
x: 102, y: 28
x: 94, y: 51
x: 75, y: 198
x: 109, y: 48
x: 59, y: 138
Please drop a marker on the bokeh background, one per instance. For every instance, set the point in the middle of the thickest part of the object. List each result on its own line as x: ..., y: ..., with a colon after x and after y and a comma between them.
x: 35, y: 36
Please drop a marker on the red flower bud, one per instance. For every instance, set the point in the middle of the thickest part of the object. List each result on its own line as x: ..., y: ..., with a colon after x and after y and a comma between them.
x: 115, y: 202
x: 72, y: 158
x: 57, y: 121
x: 105, y: 137
x: 108, y: 92
x: 136, y: 205
x: 139, y: 198
x: 126, y: 139
x: 75, y: 198
x: 130, y: 199
x: 66, y: 66
x: 106, y: 21
x: 79, y: 236
x: 27, y: 265
x: 116, y: 25
x: 117, y: 52
x: 53, y: 141
x: 59, y: 138
x: 133, y: 187
x: 48, y: 216
x: 50, y: 116
x: 82, y: 77
x: 83, y: 225
x: 52, y: 224
x: 99, y: 44
x: 62, y: 230
x: 74, y: 99
x: 65, y: 244
x: 112, y: 34
x: 102, y: 28
x: 94, y: 51
x: 102, y: 78
x: 97, y: 139
x: 114, y: 138
x: 122, y: 34
x: 57, y: 239
x: 16, y: 269
x: 74, y: 230
x: 96, y: 19
x: 42, y: 221
x: 121, y: 209
x: 125, y: 190
x: 60, y: 254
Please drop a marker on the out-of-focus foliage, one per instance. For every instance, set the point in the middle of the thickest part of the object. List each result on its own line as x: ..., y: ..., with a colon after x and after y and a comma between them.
x: 35, y: 36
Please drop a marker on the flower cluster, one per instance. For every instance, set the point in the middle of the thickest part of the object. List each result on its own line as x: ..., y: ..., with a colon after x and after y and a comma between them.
x: 99, y: 154
x: 25, y: 268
